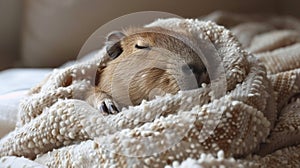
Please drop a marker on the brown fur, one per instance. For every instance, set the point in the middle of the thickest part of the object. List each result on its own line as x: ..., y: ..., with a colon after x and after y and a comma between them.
x: 141, y: 85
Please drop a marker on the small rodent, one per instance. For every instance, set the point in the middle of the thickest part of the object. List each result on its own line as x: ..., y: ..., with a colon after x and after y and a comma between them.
x: 179, y: 62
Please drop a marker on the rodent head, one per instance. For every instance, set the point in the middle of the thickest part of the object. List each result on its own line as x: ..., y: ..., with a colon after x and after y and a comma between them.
x: 173, y: 61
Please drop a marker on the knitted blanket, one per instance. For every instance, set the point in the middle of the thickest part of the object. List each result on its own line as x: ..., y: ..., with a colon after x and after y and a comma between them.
x: 255, y: 122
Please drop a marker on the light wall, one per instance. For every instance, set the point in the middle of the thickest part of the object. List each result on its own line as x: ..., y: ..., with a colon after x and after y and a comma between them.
x: 13, y: 12
x: 10, y: 25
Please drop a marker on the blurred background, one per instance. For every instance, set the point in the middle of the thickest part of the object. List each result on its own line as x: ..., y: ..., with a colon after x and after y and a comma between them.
x: 47, y: 33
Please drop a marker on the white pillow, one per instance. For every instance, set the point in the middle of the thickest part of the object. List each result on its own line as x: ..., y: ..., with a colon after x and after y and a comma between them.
x: 14, y: 84
x: 9, y: 110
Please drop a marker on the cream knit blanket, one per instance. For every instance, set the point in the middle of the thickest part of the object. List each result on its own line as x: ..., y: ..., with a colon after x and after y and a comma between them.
x: 256, y: 114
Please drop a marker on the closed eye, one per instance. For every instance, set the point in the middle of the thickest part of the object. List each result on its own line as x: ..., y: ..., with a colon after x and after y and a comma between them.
x: 140, y: 47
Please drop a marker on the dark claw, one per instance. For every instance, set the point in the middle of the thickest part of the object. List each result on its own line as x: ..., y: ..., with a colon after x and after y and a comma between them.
x: 113, y: 109
x: 107, y: 107
x: 103, y: 108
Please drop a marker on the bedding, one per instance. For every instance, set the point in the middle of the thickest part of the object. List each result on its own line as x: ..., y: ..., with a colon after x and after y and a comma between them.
x: 259, y: 126
x: 20, y: 79
x: 14, y: 84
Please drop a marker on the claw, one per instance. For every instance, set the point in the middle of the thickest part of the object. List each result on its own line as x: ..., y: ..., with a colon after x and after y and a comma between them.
x: 108, y: 107
x: 103, y: 108
x: 113, y: 109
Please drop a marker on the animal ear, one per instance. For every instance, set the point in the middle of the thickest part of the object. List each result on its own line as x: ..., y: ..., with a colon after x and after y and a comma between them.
x: 115, y: 36
x: 113, y: 45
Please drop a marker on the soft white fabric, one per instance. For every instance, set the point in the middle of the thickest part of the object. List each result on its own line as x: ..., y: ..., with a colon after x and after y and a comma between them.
x: 9, y: 110
x: 14, y: 84
x: 13, y: 161
x: 20, y: 79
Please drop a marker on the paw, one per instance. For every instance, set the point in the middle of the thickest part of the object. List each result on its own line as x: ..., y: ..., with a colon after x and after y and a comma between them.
x: 107, y: 106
